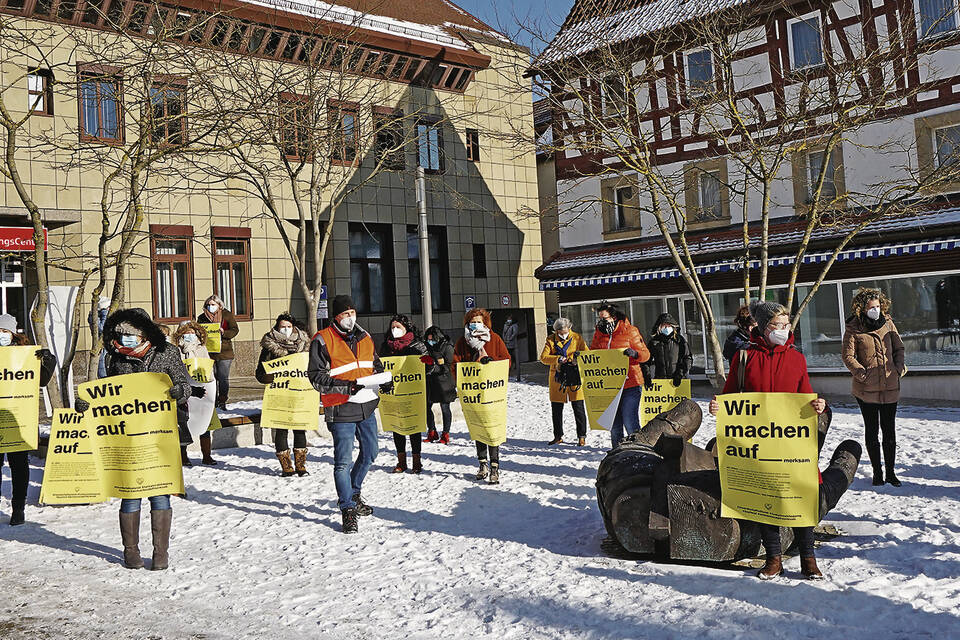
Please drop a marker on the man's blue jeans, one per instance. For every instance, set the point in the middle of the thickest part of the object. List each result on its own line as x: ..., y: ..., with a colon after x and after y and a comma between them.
x: 157, y: 503
x: 348, y: 481
x: 628, y: 415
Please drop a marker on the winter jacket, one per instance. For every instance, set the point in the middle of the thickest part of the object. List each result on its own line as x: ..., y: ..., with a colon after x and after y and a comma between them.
x: 318, y: 371
x: 669, y: 355
x: 780, y: 369
x: 739, y: 339
x: 273, y: 346
x: 161, y: 357
x: 625, y: 336
x: 875, y: 358
x: 510, y: 334
x: 440, y: 384
x: 553, y: 348
x: 48, y: 361
x: 230, y: 329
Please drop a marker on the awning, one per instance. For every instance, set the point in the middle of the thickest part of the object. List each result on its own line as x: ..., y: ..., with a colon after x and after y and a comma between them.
x: 859, y: 253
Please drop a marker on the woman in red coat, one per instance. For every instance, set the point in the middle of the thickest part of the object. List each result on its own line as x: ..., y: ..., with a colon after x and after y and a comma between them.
x: 480, y: 344
x: 775, y: 366
x: 614, y: 331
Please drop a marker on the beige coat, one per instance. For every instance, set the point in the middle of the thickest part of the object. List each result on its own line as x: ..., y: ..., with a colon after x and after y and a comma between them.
x: 875, y: 358
x: 549, y: 357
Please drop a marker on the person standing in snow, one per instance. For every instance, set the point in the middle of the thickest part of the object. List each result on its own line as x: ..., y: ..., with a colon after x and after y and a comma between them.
x: 560, y: 352
x: 19, y: 461
x: 511, y: 336
x: 739, y: 339
x: 480, y: 344
x: 669, y: 355
x: 284, y: 339
x: 874, y: 354
x: 402, y: 340
x: 614, y: 331
x: 773, y: 365
x: 340, y: 355
x: 441, y: 388
x: 214, y: 312
x: 191, y: 338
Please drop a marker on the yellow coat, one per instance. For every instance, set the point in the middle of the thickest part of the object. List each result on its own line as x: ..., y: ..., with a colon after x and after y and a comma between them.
x: 549, y: 357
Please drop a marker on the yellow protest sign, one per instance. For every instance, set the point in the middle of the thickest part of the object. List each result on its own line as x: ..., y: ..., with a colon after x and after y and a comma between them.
x: 201, y: 409
x: 19, y: 399
x: 483, y: 396
x: 72, y: 473
x: 134, y: 420
x: 213, y: 343
x: 602, y: 375
x: 200, y: 369
x: 767, y: 444
x: 290, y: 401
x: 404, y: 409
x: 662, y: 397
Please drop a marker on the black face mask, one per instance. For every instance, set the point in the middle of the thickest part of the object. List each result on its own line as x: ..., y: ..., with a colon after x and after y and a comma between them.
x: 605, y: 326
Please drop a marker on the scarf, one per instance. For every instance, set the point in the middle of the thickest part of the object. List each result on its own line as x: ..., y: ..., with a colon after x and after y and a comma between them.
x: 477, y: 339
x: 280, y: 345
x: 138, y: 351
x: 216, y: 318
x: 397, y: 345
x: 561, y: 349
x: 872, y: 325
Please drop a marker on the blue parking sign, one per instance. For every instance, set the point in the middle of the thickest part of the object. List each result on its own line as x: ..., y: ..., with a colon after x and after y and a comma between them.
x: 469, y: 302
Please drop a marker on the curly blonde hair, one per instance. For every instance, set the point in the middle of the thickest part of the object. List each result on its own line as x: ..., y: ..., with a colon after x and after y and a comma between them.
x: 865, y: 295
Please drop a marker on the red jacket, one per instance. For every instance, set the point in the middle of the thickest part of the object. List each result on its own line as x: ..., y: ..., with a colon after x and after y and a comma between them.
x: 770, y: 369
x: 625, y: 336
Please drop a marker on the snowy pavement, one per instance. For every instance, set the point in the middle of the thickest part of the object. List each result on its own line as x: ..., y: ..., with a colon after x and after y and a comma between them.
x: 444, y: 556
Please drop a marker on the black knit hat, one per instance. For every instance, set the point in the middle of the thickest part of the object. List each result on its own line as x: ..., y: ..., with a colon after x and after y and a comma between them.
x: 340, y: 304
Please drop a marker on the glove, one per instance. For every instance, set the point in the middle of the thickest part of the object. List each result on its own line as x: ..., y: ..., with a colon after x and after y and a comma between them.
x: 176, y: 392
x: 486, y: 360
x: 387, y: 387
x: 648, y: 384
x: 198, y: 392
x: 427, y: 360
x: 575, y: 355
x: 43, y: 353
x: 355, y: 388
x: 630, y: 353
x: 80, y: 405
x: 677, y: 379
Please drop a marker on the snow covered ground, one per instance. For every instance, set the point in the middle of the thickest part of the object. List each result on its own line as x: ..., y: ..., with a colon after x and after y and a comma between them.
x: 446, y: 557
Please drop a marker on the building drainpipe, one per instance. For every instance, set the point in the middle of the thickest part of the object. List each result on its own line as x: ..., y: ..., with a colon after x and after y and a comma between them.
x: 426, y: 296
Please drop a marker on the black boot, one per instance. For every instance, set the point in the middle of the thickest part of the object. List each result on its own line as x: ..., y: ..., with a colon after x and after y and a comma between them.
x: 877, y: 475
x: 873, y: 452
x: 363, y: 509
x: 889, y: 457
x: 349, y: 520
x: 17, y: 516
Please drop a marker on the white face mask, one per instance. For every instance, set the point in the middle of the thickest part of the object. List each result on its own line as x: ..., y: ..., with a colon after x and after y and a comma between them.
x: 189, y: 338
x: 779, y: 336
x: 286, y: 331
x: 212, y: 308
x: 348, y: 323
x: 6, y: 338
x: 398, y: 332
x: 873, y: 313
x: 563, y: 336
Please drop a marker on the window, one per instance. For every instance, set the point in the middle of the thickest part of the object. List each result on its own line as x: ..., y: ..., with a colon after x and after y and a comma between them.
x: 168, y: 104
x: 371, y: 268
x: 806, y: 42
x: 294, y: 114
x: 100, y: 111
x: 473, y: 145
x: 620, y: 204
x: 711, y: 205
x: 706, y: 195
x: 815, y: 164
x: 40, y: 91
x: 700, y: 71
x: 389, y: 147
x: 231, y: 267
x: 479, y: 261
x: 947, y: 145
x: 430, y: 146
x: 936, y: 17
x: 345, y: 134
x: 172, y: 258
x: 622, y: 197
x: 439, y: 286
x: 614, y: 96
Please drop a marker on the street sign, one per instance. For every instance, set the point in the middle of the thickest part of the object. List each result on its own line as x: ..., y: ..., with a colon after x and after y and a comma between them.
x: 322, y: 304
x: 469, y: 302
x: 505, y: 301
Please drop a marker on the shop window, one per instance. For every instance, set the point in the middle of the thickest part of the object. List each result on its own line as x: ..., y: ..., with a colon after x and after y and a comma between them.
x: 168, y: 105
x: 806, y: 42
x: 100, y: 108
x: 171, y: 255
x: 371, y: 268
x: 936, y: 17
x: 479, y: 261
x: 40, y: 91
x: 439, y: 285
x: 231, y: 268
x: 430, y: 154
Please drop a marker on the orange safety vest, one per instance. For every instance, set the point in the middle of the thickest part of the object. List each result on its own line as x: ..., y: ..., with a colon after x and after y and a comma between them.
x: 344, y: 365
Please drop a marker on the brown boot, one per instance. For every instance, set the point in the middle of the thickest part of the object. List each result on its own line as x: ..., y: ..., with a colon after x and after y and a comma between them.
x: 401, y: 463
x: 130, y: 534
x: 809, y: 569
x: 205, y: 446
x: 286, y: 467
x: 417, y: 465
x: 300, y: 460
x: 160, y: 526
x: 772, y: 569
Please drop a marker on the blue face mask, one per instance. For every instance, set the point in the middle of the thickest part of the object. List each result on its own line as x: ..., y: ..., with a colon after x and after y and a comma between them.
x: 476, y: 326
x: 667, y: 330
x: 129, y: 341
x: 6, y: 338
x: 432, y: 343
